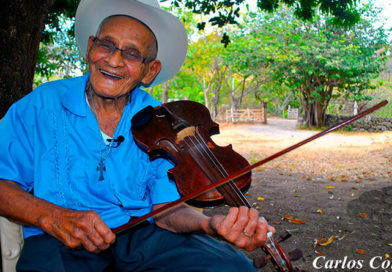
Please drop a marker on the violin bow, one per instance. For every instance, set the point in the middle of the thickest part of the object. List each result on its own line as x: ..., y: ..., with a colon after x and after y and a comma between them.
x: 245, y: 170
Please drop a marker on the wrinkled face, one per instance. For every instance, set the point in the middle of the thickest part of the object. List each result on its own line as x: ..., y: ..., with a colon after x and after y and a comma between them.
x: 110, y: 74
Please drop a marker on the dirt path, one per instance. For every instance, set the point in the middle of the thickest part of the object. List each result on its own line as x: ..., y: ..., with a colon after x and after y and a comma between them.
x: 340, y: 186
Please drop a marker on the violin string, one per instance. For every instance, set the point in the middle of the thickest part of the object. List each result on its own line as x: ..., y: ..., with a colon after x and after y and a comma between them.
x: 202, y: 147
x: 213, y: 158
x: 230, y: 188
x: 231, y: 184
x: 210, y: 155
x: 197, y: 158
x: 189, y: 142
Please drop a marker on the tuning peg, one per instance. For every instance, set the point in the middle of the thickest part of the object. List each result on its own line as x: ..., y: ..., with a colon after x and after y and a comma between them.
x: 295, y: 254
x: 261, y: 261
x: 284, y: 236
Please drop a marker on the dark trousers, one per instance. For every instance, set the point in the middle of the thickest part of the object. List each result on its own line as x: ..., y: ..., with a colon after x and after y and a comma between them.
x: 148, y: 248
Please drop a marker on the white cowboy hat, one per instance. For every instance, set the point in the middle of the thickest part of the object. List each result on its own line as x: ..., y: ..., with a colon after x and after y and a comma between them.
x: 169, y: 31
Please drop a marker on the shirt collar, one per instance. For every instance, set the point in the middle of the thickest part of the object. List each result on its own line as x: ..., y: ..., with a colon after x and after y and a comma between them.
x: 74, y: 96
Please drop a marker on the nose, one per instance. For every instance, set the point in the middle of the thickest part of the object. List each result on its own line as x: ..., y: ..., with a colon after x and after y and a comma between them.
x: 115, y: 59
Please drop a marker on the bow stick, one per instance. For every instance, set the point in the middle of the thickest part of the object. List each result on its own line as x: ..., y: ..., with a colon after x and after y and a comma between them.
x: 245, y: 170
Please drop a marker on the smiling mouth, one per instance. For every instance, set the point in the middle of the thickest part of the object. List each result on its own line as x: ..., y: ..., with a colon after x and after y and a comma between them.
x: 113, y: 76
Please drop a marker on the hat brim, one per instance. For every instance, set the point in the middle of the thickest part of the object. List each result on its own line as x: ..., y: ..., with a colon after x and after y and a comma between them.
x: 169, y: 31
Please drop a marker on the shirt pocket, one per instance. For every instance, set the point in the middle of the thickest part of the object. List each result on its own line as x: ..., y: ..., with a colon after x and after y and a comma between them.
x: 134, y: 192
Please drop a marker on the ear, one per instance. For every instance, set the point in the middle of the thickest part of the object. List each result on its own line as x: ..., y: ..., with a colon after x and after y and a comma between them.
x: 89, y: 45
x: 154, y: 67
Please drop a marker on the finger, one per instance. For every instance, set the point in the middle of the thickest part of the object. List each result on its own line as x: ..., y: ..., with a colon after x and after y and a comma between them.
x: 67, y: 239
x: 98, y: 233
x: 260, y: 236
x: 83, y: 230
x: 236, y: 230
x: 246, y: 239
x: 83, y: 236
x: 105, y: 232
x: 270, y: 228
x: 227, y: 223
x: 250, y: 228
x: 91, y: 246
x: 97, y: 240
x: 242, y: 220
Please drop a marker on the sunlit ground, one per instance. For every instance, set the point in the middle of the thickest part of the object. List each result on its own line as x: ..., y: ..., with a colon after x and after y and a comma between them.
x: 337, y: 155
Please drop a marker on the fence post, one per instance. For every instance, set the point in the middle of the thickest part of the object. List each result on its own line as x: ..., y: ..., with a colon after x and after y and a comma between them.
x: 264, y: 113
x: 355, y: 108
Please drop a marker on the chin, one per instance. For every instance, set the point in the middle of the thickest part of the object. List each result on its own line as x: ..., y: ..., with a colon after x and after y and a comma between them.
x: 111, y: 93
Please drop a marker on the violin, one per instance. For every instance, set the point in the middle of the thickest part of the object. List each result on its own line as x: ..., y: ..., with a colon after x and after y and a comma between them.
x: 181, y: 131
x: 206, y: 174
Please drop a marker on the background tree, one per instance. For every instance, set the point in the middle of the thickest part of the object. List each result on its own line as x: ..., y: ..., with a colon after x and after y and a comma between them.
x: 22, y: 23
x: 205, y: 63
x: 316, y: 60
x: 59, y: 57
x: 228, y: 11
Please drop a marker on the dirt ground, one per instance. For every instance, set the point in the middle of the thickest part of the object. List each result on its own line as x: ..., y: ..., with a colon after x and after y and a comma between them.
x: 334, y: 195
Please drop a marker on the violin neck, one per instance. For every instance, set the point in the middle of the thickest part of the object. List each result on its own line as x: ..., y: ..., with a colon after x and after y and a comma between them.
x: 233, y: 195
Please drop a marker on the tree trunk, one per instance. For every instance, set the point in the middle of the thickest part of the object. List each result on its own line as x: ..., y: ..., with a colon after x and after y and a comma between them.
x: 21, y: 25
x: 165, y: 91
x: 206, y: 90
x: 150, y: 90
x: 315, y: 111
x: 216, y: 98
x: 314, y: 114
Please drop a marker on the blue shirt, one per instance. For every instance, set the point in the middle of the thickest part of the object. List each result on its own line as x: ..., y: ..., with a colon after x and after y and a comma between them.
x: 51, y: 146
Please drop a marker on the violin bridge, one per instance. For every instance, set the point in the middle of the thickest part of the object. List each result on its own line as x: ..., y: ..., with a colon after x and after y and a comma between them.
x: 186, y: 132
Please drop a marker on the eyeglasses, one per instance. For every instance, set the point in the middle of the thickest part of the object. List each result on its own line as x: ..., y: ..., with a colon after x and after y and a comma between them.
x: 107, y: 48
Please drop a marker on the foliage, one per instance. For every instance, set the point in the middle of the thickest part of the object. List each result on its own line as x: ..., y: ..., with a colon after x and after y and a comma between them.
x: 183, y: 86
x: 60, y: 57
x: 54, y: 21
x: 228, y: 11
x: 273, y: 57
x: 316, y: 60
x: 382, y: 91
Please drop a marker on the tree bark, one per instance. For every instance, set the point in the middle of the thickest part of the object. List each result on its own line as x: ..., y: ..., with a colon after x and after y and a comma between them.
x: 165, y: 91
x: 21, y: 25
x: 215, y: 100
x: 206, y: 90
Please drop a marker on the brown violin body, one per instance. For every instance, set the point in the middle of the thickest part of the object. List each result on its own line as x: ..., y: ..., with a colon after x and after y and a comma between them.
x: 181, y: 131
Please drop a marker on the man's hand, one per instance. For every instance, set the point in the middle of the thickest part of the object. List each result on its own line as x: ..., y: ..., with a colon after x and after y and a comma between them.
x: 77, y: 229
x: 241, y: 226
x: 73, y: 228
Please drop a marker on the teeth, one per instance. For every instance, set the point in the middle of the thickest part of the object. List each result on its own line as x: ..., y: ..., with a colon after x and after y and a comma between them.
x: 109, y: 74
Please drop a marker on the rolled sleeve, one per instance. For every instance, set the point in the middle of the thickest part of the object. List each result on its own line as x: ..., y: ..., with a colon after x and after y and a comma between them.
x: 16, y: 153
